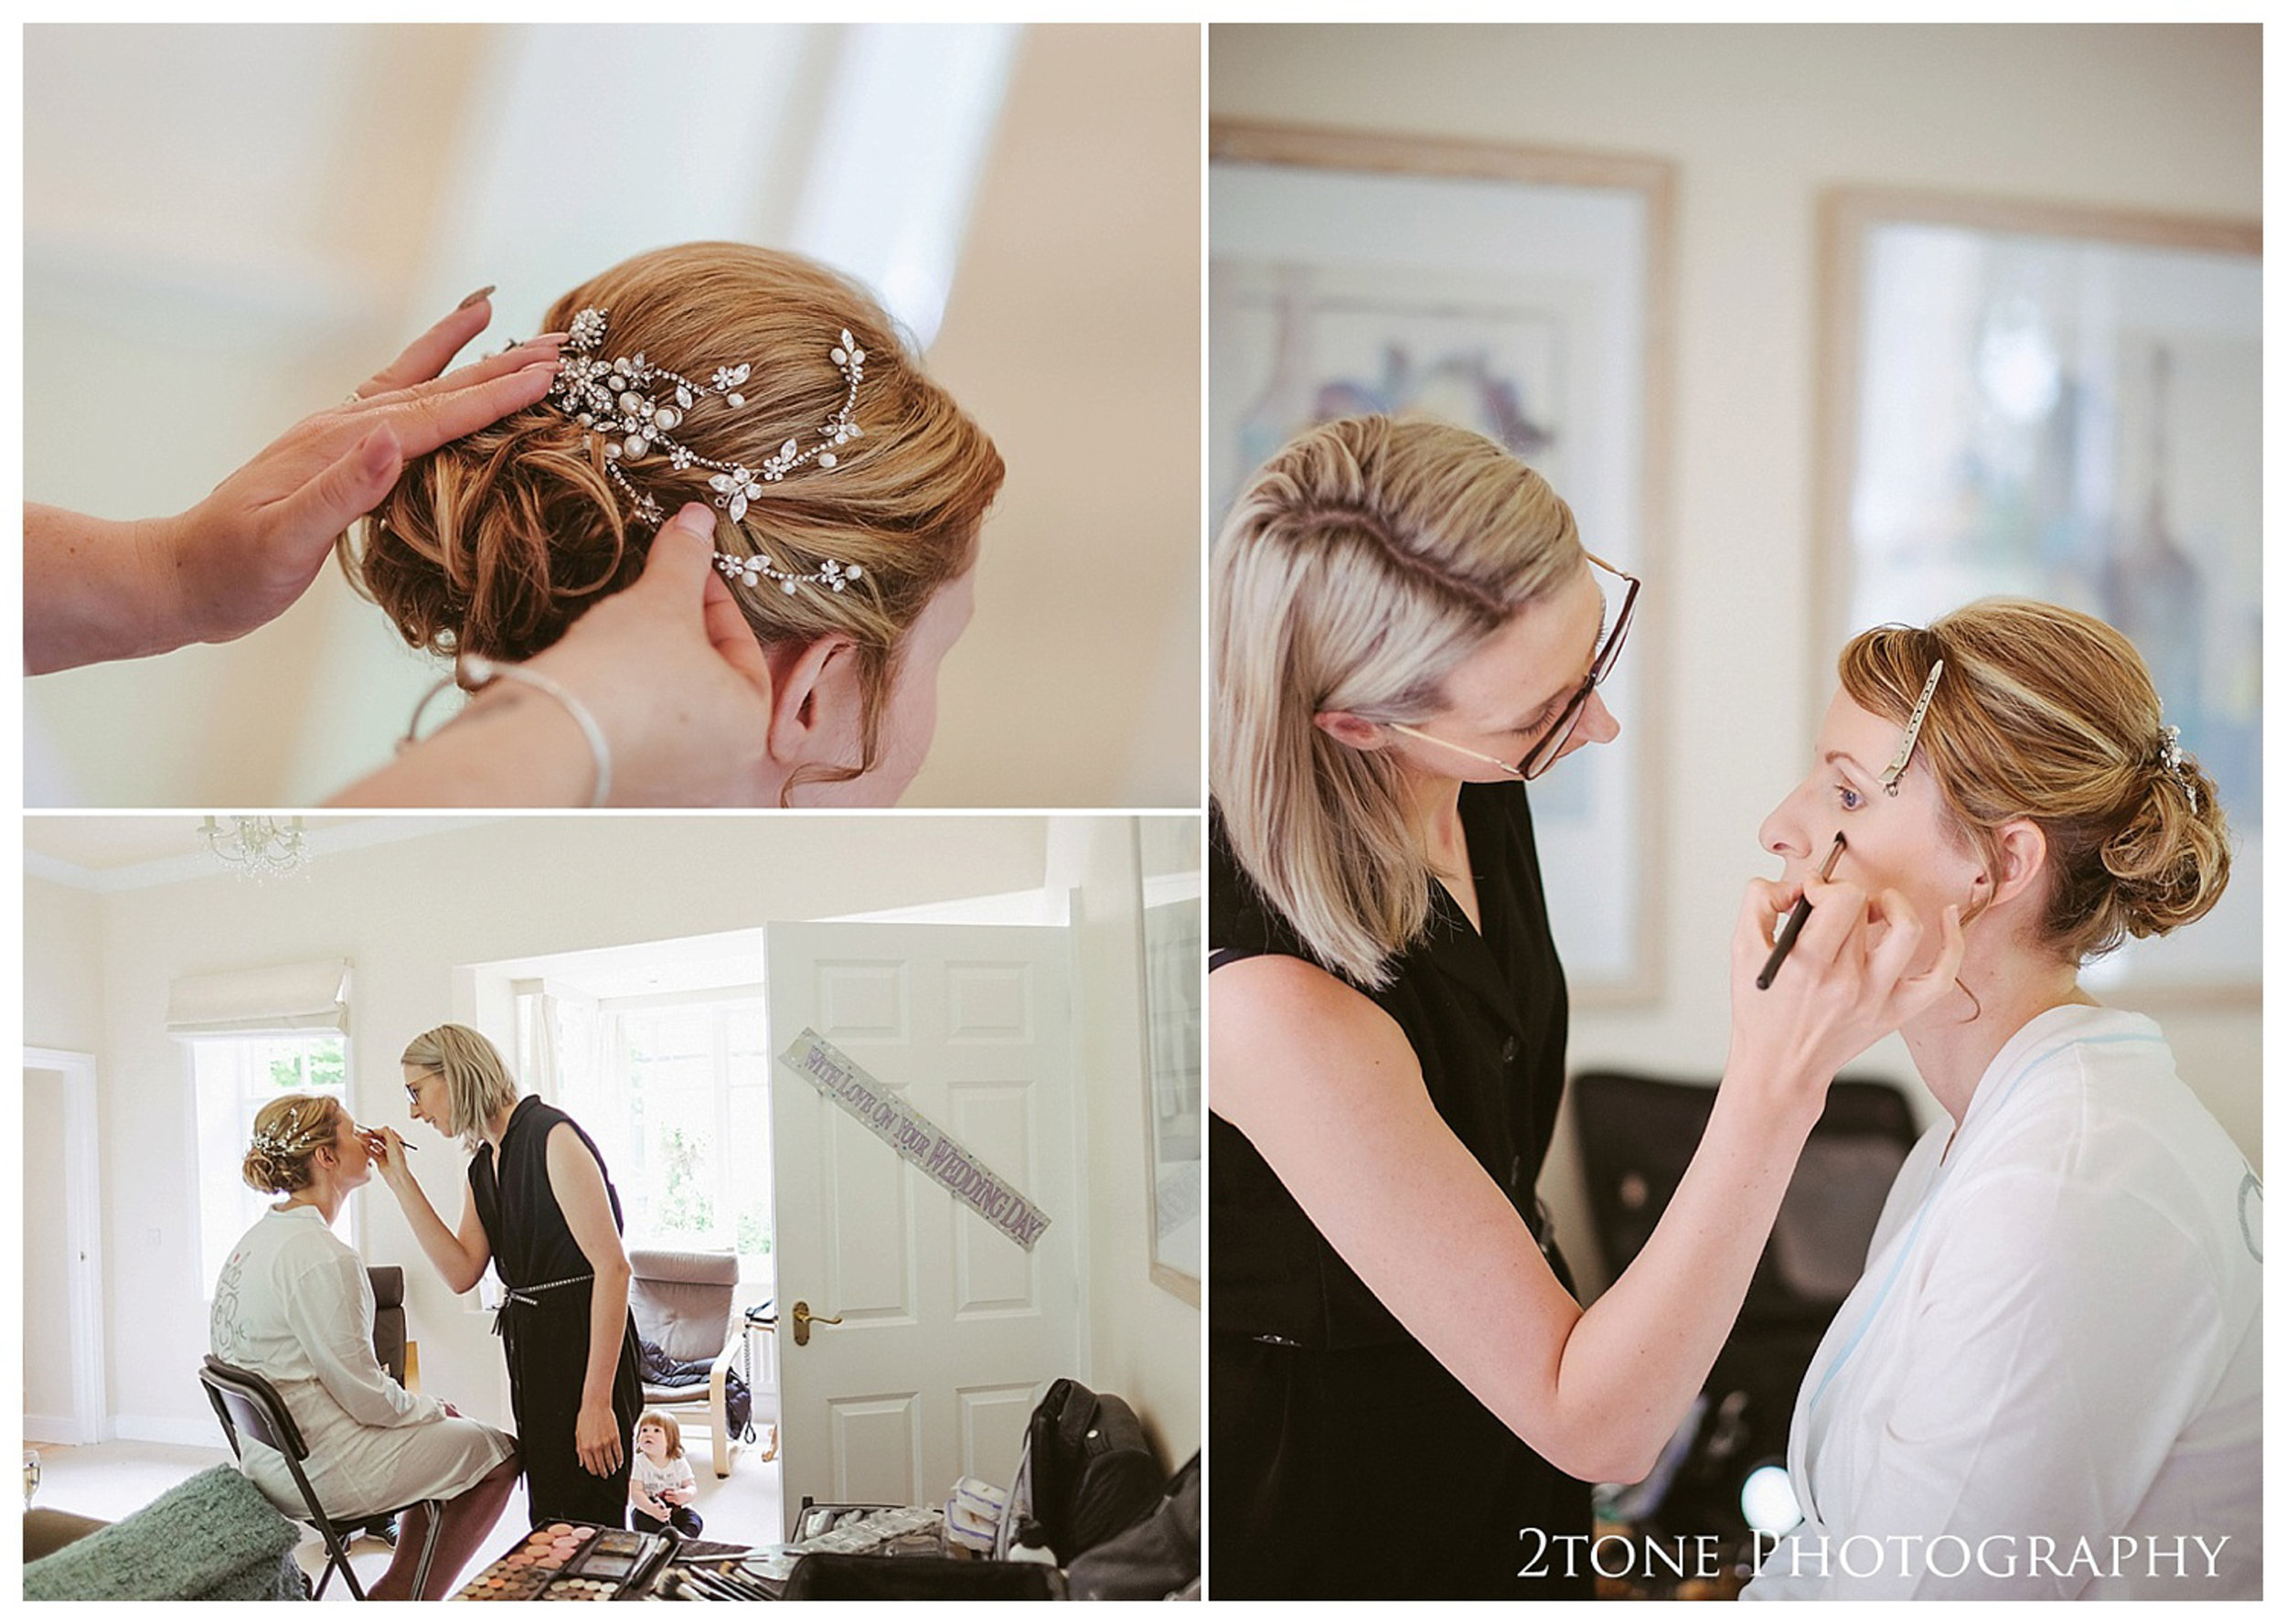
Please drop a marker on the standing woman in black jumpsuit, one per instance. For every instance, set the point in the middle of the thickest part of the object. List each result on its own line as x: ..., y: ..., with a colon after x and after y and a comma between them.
x: 1404, y: 1399
x: 541, y: 1210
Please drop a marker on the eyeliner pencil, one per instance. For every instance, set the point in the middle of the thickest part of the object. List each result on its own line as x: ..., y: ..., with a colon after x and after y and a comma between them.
x: 1796, y: 920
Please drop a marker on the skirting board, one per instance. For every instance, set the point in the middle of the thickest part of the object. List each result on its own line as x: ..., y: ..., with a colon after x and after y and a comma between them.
x: 63, y: 1431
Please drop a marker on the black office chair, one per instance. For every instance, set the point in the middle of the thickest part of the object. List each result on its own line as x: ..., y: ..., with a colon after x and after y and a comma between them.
x: 1635, y: 1137
x: 249, y: 1407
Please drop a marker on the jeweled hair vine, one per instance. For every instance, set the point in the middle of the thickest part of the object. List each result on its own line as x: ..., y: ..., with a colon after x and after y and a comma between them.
x: 637, y: 405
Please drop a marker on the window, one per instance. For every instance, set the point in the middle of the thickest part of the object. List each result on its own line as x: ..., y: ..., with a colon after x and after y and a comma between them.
x: 675, y: 1090
x: 232, y: 1079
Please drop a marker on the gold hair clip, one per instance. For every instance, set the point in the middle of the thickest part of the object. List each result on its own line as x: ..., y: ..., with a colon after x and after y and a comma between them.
x: 1896, y: 769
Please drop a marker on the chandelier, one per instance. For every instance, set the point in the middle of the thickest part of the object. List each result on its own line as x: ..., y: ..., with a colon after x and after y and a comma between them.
x: 256, y: 848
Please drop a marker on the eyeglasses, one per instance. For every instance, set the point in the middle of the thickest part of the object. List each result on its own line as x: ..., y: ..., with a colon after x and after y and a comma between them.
x: 412, y: 1089
x: 1550, y: 743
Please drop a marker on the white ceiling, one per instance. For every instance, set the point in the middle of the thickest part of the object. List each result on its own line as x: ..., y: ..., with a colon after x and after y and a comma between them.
x: 118, y: 842
x: 121, y: 850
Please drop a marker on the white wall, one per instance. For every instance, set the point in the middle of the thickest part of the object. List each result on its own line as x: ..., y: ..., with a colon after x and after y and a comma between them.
x: 63, y: 1007
x: 1143, y: 1340
x: 1758, y: 121
x: 1074, y: 333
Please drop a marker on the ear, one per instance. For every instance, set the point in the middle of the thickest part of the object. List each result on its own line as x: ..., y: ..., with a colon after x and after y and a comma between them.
x: 1347, y: 729
x: 2022, y: 858
x: 817, y: 708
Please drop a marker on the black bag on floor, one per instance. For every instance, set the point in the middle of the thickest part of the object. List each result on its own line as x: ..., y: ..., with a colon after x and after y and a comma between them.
x: 1156, y: 1559
x: 1092, y: 1473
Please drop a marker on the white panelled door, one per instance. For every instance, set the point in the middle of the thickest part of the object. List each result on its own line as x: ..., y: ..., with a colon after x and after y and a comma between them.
x: 949, y: 1330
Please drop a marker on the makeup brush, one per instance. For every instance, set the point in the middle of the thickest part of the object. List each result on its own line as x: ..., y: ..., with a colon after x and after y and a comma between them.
x: 374, y: 1134
x: 1795, y: 921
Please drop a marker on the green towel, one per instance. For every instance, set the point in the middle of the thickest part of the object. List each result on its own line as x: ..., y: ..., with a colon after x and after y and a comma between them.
x: 215, y: 1538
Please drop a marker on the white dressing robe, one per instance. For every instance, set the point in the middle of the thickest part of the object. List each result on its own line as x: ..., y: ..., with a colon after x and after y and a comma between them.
x: 2057, y: 1337
x: 293, y: 1304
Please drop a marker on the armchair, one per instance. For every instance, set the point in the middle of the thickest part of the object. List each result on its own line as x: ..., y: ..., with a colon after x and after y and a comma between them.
x: 683, y: 1301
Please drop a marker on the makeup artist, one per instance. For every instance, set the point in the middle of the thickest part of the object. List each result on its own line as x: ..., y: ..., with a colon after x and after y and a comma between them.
x: 1406, y: 630
x: 541, y: 1210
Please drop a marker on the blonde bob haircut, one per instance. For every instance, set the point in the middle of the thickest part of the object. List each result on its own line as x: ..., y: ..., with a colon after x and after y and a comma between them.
x: 478, y: 1084
x: 2048, y: 715
x: 496, y: 542
x: 298, y: 1126
x: 1358, y: 568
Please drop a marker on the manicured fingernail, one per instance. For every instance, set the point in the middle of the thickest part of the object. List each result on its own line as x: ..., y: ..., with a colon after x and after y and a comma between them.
x: 694, y: 517
x: 483, y: 293
x: 381, y: 451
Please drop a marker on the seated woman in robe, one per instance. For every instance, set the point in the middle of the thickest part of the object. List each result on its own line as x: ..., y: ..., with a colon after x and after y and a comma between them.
x: 2048, y: 1380
x: 847, y: 492
x: 293, y: 1306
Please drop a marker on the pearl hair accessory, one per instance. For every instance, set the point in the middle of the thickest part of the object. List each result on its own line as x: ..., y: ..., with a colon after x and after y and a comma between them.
x: 280, y: 1144
x: 638, y: 406
x: 2170, y: 758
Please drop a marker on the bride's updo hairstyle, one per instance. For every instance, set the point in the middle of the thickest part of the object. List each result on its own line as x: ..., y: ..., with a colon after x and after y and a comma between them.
x: 287, y: 1132
x: 1358, y: 568
x: 2048, y: 715
x: 495, y: 543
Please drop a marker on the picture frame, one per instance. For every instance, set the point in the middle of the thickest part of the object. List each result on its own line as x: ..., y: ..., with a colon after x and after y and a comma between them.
x: 2064, y: 403
x: 1522, y: 291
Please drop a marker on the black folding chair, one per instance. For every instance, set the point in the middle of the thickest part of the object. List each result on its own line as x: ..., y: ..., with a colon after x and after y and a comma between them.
x: 249, y: 1407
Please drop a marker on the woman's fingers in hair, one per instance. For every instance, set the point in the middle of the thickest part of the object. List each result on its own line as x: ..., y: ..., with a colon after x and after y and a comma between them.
x: 548, y: 347
x: 426, y: 419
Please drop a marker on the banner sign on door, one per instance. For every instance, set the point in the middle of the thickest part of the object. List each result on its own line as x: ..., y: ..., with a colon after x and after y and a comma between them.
x: 916, y: 1138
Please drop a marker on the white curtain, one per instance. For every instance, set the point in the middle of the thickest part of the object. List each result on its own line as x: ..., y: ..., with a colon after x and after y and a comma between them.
x: 283, y: 1001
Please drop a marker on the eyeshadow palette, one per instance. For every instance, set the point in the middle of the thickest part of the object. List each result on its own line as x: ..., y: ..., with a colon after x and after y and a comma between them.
x: 569, y: 1562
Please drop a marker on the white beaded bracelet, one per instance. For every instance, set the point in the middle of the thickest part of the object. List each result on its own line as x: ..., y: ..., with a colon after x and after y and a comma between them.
x: 475, y: 673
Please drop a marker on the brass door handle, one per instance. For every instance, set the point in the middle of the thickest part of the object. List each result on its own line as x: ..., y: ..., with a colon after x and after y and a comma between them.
x: 804, y: 1320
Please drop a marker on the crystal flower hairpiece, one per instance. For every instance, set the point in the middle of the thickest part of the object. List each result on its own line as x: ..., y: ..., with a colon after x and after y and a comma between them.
x: 280, y: 1144
x: 637, y: 405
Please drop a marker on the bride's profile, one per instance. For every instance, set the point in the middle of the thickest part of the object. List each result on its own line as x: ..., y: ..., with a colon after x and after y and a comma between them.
x: 848, y: 491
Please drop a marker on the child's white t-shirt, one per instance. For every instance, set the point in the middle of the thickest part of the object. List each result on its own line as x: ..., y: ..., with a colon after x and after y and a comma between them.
x: 652, y: 1476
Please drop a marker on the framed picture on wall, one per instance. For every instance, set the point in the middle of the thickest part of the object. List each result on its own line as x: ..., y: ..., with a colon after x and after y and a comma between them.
x: 1520, y: 291
x: 2065, y: 404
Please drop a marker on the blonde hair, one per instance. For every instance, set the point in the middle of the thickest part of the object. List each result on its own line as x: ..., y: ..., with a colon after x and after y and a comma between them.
x: 478, y: 1087
x: 1359, y: 567
x: 667, y: 1424
x: 288, y: 1131
x: 2048, y: 715
x: 497, y: 541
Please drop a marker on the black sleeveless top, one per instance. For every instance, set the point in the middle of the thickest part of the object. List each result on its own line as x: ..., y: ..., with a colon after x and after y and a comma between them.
x: 531, y: 1244
x: 545, y: 1322
x: 1327, y: 1419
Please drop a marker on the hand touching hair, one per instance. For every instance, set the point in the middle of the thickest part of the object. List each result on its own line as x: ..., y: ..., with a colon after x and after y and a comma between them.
x: 495, y: 543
